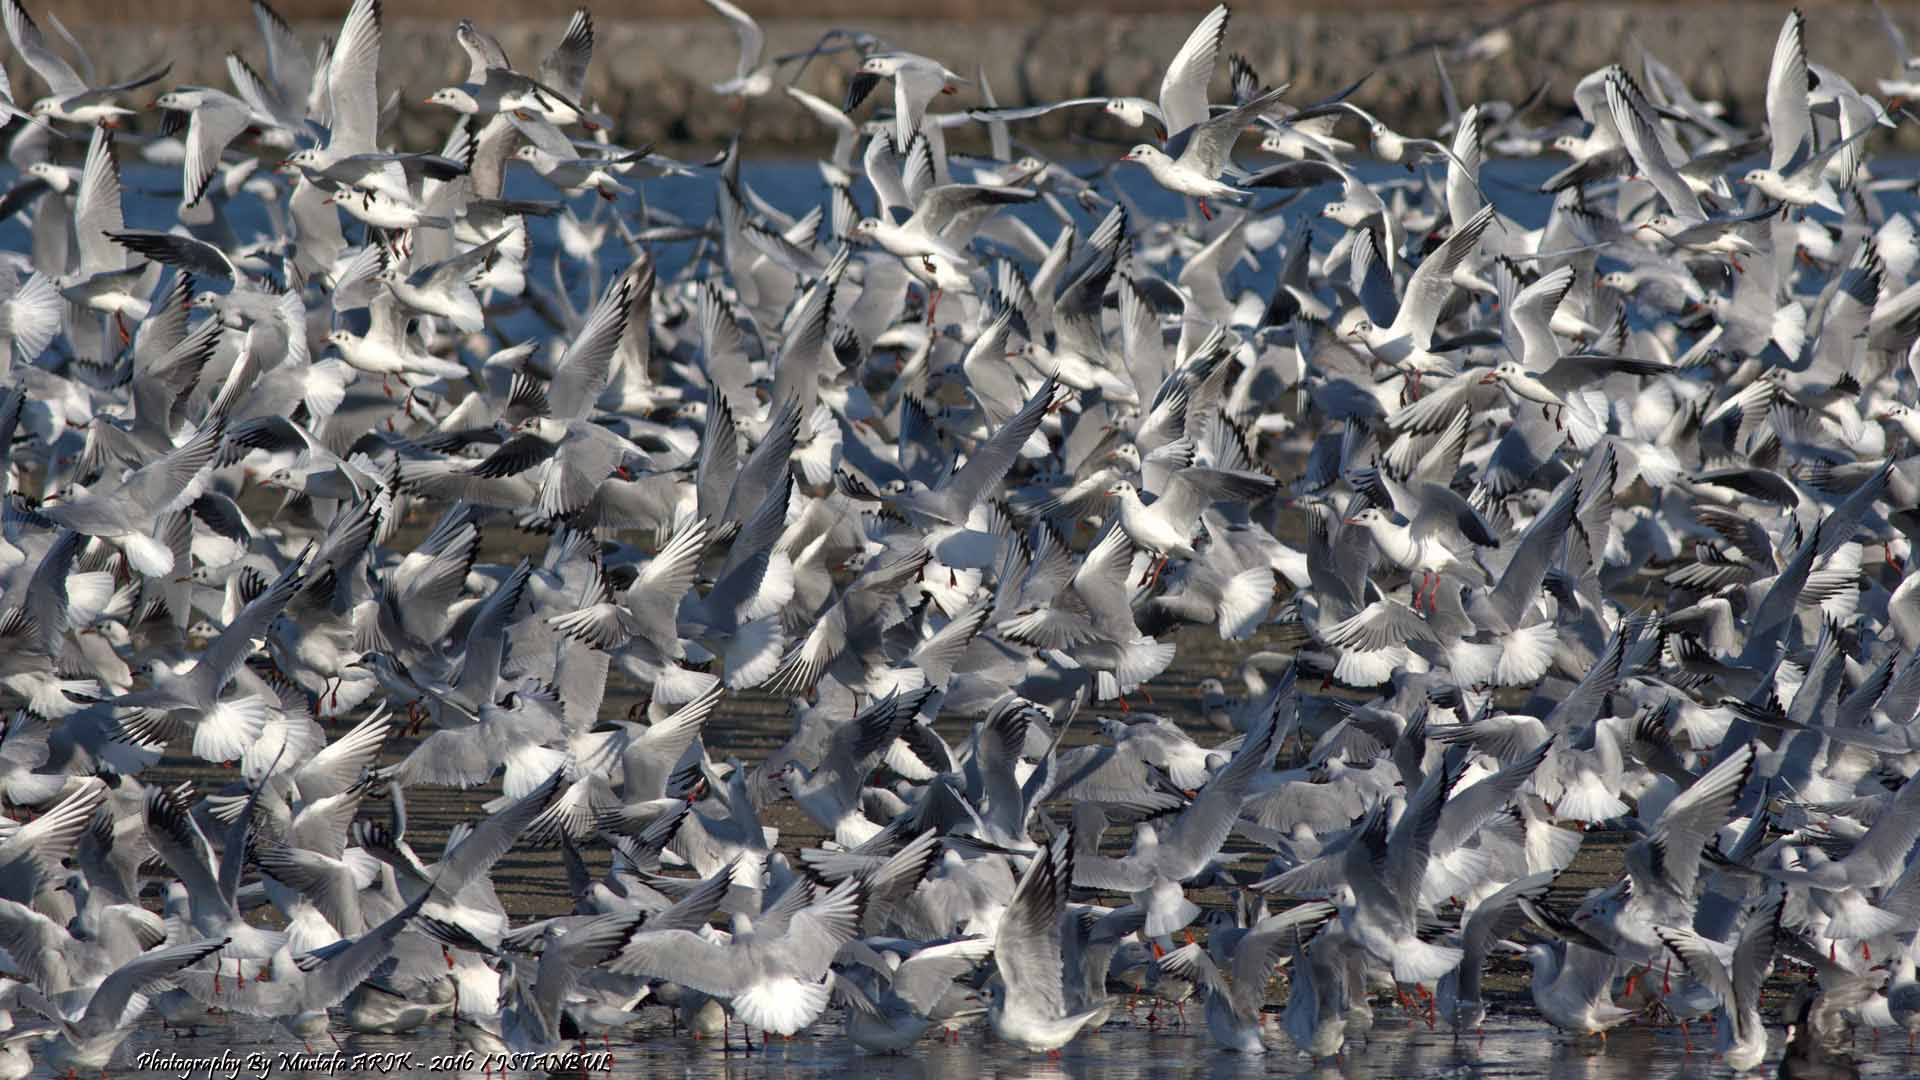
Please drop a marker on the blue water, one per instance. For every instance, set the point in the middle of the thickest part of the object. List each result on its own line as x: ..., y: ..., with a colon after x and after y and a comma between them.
x: 795, y: 187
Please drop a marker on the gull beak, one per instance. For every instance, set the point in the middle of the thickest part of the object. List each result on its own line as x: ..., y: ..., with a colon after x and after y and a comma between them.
x: 1350, y: 521
x: 1489, y: 379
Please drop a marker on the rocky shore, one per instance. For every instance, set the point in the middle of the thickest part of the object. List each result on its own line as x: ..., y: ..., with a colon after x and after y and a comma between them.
x: 656, y: 73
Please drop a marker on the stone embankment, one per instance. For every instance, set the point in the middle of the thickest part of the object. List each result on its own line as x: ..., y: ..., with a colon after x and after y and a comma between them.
x: 654, y: 74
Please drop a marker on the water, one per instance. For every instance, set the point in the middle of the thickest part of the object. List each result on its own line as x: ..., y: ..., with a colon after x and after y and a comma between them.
x: 1509, y: 1048
x: 793, y: 187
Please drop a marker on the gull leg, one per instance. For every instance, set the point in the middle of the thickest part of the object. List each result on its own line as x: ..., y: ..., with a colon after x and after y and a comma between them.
x: 1205, y: 210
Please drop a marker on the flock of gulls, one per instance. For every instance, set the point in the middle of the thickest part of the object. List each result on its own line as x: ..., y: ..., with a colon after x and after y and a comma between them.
x: 1600, y: 524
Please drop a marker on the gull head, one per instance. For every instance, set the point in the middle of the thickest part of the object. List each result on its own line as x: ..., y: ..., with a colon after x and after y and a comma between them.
x: 340, y: 339
x: 1891, y: 410
x: 1122, y: 489
x: 866, y: 228
x: 1359, y: 329
x: 310, y: 158
x: 1030, y: 351
x: 542, y: 427
x: 1368, y: 518
x: 1143, y: 154
x: 55, y: 177
x: 1218, y: 921
x: 533, y: 155
x: 454, y: 98
x: 1566, y: 144
x: 1759, y: 177
x: 1660, y: 223
x: 1341, y: 211
x: 878, y: 65
x: 172, y: 99
x: 45, y: 106
x: 1129, y: 111
x: 1501, y: 372
x: 1617, y: 280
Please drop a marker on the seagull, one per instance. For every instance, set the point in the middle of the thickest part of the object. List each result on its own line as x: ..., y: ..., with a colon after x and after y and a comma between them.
x: 777, y: 983
x: 71, y: 98
x: 1028, y: 1006
x: 1407, y: 342
x: 915, y: 987
x: 1155, y: 872
x: 1183, y: 91
x: 1194, y: 158
x: 1735, y: 980
x: 751, y: 79
x: 917, y: 80
x: 1234, y: 967
x: 88, y: 1034
x: 126, y: 510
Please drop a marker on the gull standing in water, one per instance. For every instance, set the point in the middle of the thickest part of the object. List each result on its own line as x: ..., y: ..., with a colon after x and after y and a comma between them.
x: 1234, y: 966
x: 775, y: 981
x: 1735, y: 978
x: 88, y: 1034
x: 1029, y: 1007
